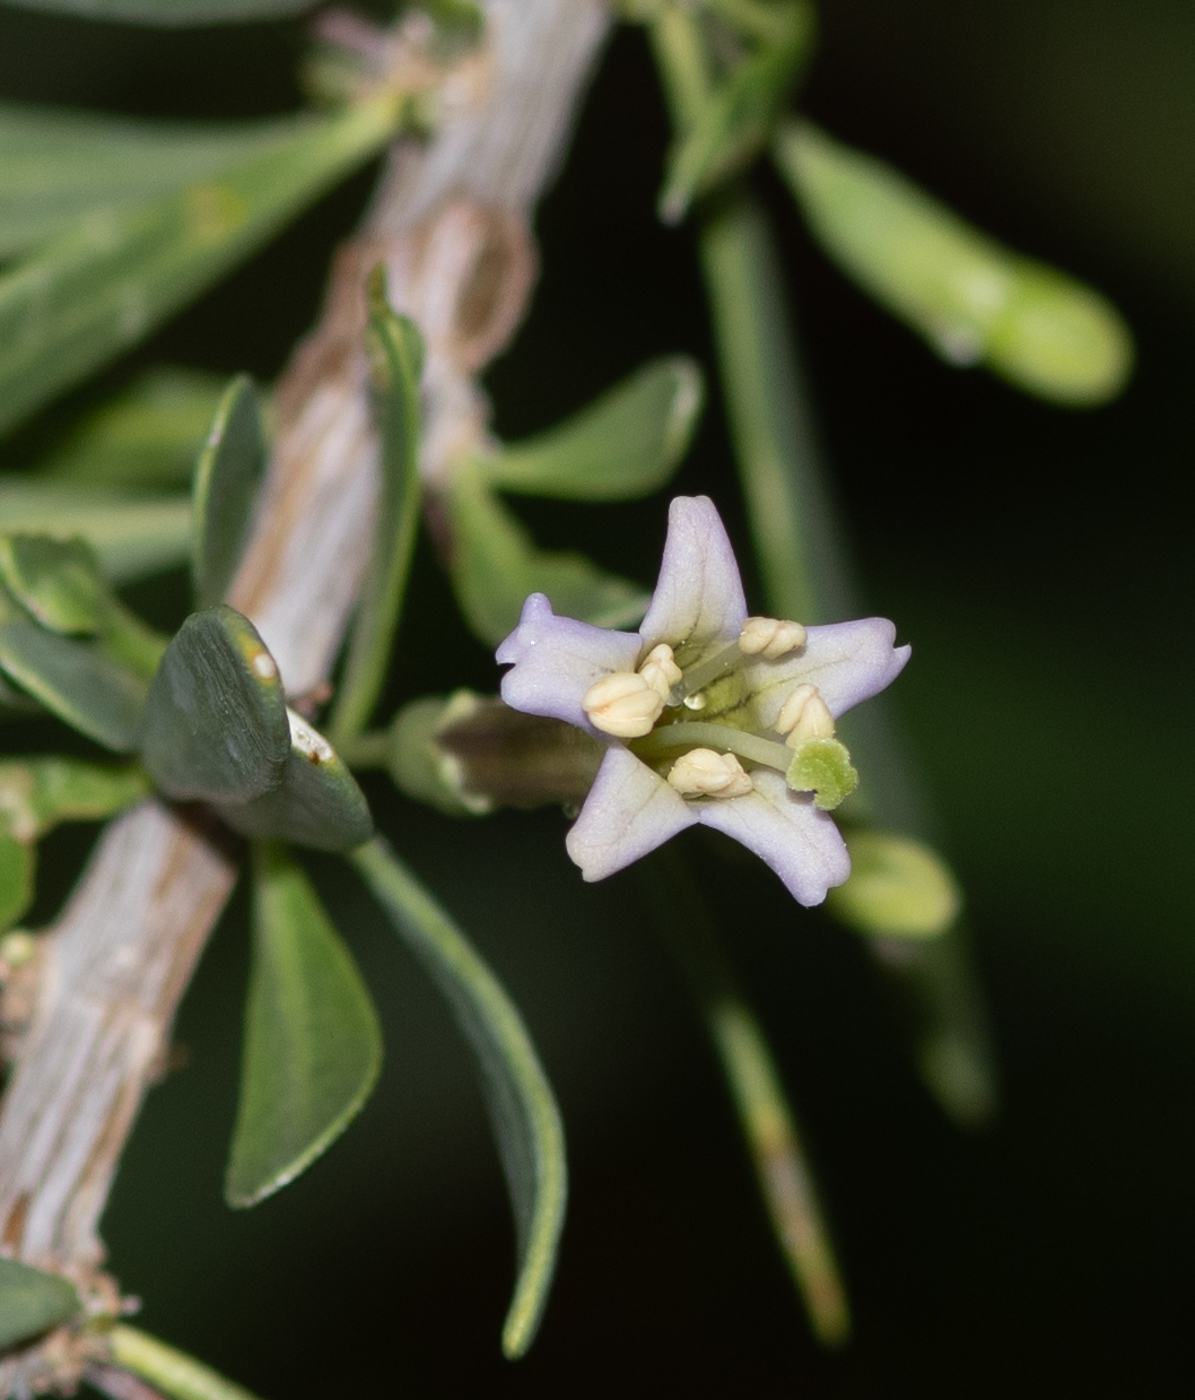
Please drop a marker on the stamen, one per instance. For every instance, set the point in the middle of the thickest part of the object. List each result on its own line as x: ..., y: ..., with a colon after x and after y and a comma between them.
x: 660, y: 670
x: 698, y: 734
x: 704, y: 773
x: 770, y: 637
x: 805, y: 715
x: 623, y: 704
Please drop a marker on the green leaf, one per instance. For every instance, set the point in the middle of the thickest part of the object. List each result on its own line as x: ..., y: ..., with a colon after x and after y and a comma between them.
x: 56, y: 581
x: 32, y: 1301
x: 899, y: 888
x: 522, y: 1108
x: 74, y: 680
x: 103, y: 284
x: 148, y: 435
x: 396, y: 355
x: 972, y: 299
x: 36, y: 794
x: 317, y: 803
x: 17, y: 860
x: 624, y: 446
x: 228, y: 477
x: 737, y: 118
x: 170, y: 14
x: 313, y: 1047
x: 495, y: 565
x: 131, y: 535
x: 215, y: 720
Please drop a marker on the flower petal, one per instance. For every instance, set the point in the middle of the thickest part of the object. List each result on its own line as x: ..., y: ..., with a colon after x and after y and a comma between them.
x: 557, y: 659
x: 848, y: 662
x: 699, y: 596
x: 786, y: 831
x: 630, y: 810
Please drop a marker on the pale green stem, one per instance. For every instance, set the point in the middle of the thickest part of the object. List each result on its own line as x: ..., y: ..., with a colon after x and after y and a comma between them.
x: 697, y: 734
x: 371, y: 750
x: 172, y: 1372
x: 765, y: 1117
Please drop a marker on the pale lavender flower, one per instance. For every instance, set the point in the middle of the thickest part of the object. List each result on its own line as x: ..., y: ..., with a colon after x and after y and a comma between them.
x: 710, y: 716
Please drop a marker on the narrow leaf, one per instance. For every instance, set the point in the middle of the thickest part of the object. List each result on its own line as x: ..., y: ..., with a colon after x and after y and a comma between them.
x: 313, y: 1047
x: 495, y: 565
x: 228, y: 477
x: 131, y: 535
x: 32, y: 1301
x: 172, y: 1372
x: 170, y: 14
x: 973, y: 300
x: 317, y: 803
x: 396, y: 354
x: 101, y: 286
x: 522, y: 1108
x: 215, y: 720
x: 16, y: 894
x: 623, y: 446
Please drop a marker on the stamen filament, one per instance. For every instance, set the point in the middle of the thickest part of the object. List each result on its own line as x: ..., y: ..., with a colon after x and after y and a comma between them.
x: 696, y: 734
x: 698, y: 677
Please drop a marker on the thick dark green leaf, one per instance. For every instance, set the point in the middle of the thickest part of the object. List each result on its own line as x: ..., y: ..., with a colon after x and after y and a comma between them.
x: 228, y: 477
x: 147, y: 436
x: 171, y: 14
x: 623, y: 446
x: 74, y: 680
x: 313, y: 1047
x: 522, y: 1108
x: 131, y: 535
x: 102, y: 285
x: 973, y: 300
x: 56, y: 581
x: 215, y: 721
x: 317, y: 803
x: 495, y: 565
x: 396, y: 354
x: 737, y: 118
x: 32, y: 1301
x: 17, y: 860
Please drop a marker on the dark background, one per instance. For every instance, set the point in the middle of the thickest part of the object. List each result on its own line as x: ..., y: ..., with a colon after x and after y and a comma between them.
x: 1035, y: 558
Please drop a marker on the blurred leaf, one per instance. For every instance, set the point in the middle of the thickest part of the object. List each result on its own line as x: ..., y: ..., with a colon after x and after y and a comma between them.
x: 215, y: 720
x: 313, y: 1047
x: 228, y: 477
x: 170, y: 1372
x: 170, y: 14
x: 132, y: 535
x: 972, y: 299
x: 148, y: 435
x: 736, y: 119
x: 36, y: 794
x: 495, y: 565
x: 103, y: 284
x: 396, y: 354
x: 623, y: 446
x: 317, y: 803
x: 17, y: 860
x: 32, y: 1301
x: 73, y: 679
x: 522, y: 1108
x: 899, y: 888
x: 57, y: 581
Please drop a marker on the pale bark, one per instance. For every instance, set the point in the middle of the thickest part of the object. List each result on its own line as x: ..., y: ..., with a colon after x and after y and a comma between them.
x: 451, y: 224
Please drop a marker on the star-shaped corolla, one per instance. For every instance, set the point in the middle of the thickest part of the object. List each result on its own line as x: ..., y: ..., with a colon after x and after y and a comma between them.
x: 710, y: 716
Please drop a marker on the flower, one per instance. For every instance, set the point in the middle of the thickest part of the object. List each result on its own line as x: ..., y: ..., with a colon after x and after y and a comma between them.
x: 710, y: 716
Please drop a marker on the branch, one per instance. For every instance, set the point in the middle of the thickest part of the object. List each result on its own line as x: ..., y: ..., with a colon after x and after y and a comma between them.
x: 451, y: 223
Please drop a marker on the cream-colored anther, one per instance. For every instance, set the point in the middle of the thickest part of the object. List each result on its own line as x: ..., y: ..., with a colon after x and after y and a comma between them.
x: 660, y: 671
x: 805, y: 715
x: 770, y: 637
x: 705, y: 773
x: 623, y: 704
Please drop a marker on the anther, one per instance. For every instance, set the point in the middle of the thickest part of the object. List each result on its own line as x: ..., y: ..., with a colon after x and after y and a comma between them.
x: 770, y: 637
x: 623, y: 704
x: 704, y: 773
x: 660, y: 671
x: 805, y: 715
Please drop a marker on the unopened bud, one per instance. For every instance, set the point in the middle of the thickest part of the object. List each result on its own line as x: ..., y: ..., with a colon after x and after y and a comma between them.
x: 660, y: 671
x: 705, y: 773
x: 623, y: 704
x: 770, y: 637
x: 805, y: 715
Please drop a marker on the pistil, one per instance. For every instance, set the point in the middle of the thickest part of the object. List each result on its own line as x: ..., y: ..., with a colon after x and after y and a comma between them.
x: 696, y: 734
